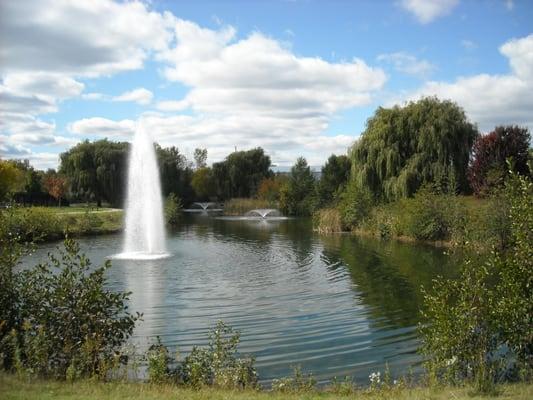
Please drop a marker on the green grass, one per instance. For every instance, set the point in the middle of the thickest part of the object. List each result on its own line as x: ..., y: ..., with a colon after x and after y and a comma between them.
x: 51, y: 223
x: 242, y: 206
x: 13, y: 388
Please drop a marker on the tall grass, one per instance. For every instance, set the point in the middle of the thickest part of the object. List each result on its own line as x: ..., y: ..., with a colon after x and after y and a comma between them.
x: 240, y: 206
x: 328, y: 220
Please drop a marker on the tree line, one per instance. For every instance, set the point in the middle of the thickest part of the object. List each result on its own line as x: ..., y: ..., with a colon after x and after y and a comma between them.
x: 403, y: 148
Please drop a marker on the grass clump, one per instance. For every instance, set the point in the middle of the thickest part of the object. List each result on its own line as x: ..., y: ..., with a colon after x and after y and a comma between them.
x: 240, y: 206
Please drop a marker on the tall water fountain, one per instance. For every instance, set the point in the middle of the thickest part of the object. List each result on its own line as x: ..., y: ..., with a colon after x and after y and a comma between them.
x: 145, y: 229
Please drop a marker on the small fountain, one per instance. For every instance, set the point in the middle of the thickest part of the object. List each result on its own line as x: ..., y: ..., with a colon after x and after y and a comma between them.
x: 204, y: 206
x: 145, y: 229
x: 262, y: 212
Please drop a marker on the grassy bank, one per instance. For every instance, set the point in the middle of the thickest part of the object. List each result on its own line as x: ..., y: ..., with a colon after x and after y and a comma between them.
x: 51, y: 223
x: 242, y: 206
x: 443, y: 220
x: 13, y: 388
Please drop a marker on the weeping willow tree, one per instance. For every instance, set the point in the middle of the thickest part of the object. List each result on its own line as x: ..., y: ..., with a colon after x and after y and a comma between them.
x: 402, y: 148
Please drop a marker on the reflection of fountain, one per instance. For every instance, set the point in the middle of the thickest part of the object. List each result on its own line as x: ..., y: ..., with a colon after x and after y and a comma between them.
x: 263, y: 212
x: 145, y: 234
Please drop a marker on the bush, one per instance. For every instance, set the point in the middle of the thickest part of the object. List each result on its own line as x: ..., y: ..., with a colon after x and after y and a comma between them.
x: 355, y: 205
x: 173, y: 208
x: 299, y: 382
x: 72, y: 326
x: 429, y: 215
x: 218, y: 364
x: 479, y: 326
x: 327, y: 220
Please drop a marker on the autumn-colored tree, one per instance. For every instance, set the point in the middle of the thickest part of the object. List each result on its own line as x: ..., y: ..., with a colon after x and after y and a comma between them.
x: 56, y: 186
x: 269, y: 188
x: 490, y: 152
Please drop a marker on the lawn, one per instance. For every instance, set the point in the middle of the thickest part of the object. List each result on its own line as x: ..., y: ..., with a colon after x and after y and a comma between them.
x: 13, y: 388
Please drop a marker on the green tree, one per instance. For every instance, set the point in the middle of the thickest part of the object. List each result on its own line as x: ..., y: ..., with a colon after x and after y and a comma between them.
x: 175, y: 173
x: 200, y: 158
x: 403, y: 148
x: 202, y: 183
x: 297, y: 196
x: 335, y: 174
x: 240, y: 174
x: 11, y: 179
x: 96, y: 170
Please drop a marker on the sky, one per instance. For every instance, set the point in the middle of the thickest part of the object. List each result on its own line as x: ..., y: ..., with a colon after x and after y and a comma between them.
x: 296, y: 77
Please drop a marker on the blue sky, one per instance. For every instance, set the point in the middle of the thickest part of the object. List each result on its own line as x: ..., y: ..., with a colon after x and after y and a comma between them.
x: 295, y: 77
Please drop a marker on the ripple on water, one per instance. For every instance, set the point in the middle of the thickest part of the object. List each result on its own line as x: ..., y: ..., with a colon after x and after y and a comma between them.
x: 335, y: 305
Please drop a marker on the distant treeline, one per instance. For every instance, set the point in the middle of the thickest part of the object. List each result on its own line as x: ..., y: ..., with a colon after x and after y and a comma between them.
x: 425, y: 143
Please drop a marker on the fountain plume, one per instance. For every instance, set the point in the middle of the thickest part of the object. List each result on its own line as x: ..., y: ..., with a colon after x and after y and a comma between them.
x: 145, y: 231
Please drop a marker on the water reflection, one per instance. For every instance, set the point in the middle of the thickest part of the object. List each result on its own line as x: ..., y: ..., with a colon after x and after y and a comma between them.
x: 338, y: 305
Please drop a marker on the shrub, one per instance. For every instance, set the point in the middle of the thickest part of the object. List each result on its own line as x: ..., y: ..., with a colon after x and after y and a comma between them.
x: 327, y: 220
x: 355, y: 205
x: 173, y: 208
x: 218, y: 364
x: 72, y: 325
x: 479, y: 326
x: 299, y: 382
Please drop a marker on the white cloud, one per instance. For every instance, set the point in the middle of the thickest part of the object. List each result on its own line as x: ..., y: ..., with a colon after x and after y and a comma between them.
x: 93, y: 96
x: 46, y: 46
x: 426, y: 11
x: 255, y: 92
x: 140, y: 96
x: 102, y: 127
x: 509, y: 4
x: 83, y: 38
x: 408, y: 64
x: 491, y: 100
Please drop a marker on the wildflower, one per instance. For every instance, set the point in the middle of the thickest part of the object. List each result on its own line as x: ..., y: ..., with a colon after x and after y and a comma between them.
x: 451, y: 361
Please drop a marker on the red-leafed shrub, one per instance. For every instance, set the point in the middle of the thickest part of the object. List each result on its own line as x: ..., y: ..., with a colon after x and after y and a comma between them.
x: 489, y: 154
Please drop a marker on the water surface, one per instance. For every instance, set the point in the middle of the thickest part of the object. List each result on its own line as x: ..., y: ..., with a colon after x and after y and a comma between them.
x: 337, y: 305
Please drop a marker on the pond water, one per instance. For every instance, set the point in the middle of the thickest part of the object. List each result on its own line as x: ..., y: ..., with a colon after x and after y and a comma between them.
x: 337, y: 305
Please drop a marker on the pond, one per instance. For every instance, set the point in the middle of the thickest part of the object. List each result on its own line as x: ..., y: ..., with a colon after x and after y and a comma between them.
x: 337, y: 305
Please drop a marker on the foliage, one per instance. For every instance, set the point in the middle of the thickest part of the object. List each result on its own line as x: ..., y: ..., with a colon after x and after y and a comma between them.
x: 218, y: 364
x: 242, y: 206
x: 173, y: 208
x: 240, y: 173
x: 202, y: 183
x: 15, y: 388
x: 297, y: 196
x: 429, y: 215
x: 72, y: 326
x: 175, y: 173
x: 56, y: 185
x: 335, y: 175
x: 200, y: 158
x: 96, y: 170
x: 270, y: 188
x: 404, y: 148
x: 297, y: 383
x: 11, y: 179
x: 479, y: 326
x: 490, y: 153
x: 355, y: 204
x: 328, y: 220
